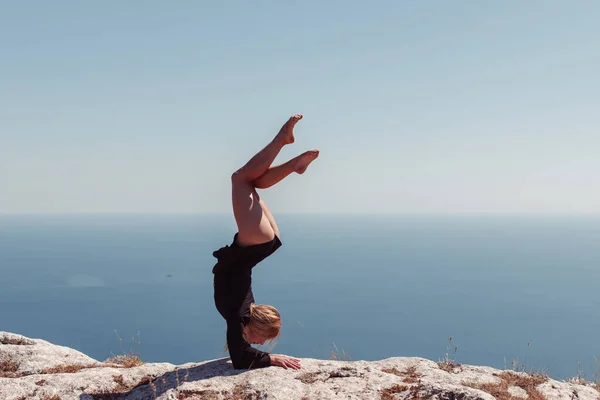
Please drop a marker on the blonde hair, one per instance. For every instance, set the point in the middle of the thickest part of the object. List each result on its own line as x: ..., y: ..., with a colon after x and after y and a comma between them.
x: 265, y: 321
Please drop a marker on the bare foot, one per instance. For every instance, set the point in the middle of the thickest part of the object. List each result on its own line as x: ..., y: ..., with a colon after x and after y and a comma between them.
x: 304, y: 159
x: 286, y: 133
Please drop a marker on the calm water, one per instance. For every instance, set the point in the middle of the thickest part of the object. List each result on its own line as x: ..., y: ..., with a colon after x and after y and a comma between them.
x: 375, y: 286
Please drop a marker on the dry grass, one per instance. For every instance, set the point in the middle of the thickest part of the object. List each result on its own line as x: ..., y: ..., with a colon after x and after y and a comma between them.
x: 146, y: 380
x: 121, y: 388
x: 597, y: 375
x: 393, y: 371
x: 67, y: 368
x: 410, y: 375
x: 19, y: 341
x: 339, y: 355
x: 388, y: 394
x: 50, y: 397
x: 120, y: 382
x: 527, y: 382
x: 448, y: 364
x: 125, y: 361
x: 8, y: 369
x: 8, y: 366
x: 198, y: 395
x: 239, y: 392
x: 580, y: 380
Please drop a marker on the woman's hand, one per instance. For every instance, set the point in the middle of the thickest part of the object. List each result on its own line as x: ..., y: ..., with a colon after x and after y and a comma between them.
x: 285, y: 361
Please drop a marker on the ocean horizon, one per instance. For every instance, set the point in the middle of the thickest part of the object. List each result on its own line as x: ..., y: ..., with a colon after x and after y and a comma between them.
x: 510, y: 289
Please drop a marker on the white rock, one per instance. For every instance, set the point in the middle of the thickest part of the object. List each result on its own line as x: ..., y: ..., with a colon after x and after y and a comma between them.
x: 392, y: 378
x: 34, y: 355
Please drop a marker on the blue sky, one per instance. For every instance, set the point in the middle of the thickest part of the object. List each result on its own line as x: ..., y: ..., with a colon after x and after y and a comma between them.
x: 423, y: 106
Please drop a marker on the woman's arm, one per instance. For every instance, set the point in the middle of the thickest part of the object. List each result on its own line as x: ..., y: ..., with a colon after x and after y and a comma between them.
x: 244, y: 356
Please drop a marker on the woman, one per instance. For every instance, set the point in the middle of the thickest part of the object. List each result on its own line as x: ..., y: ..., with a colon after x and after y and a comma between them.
x: 256, y: 239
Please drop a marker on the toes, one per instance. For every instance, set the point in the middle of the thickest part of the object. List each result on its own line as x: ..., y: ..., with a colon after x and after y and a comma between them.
x: 292, y: 121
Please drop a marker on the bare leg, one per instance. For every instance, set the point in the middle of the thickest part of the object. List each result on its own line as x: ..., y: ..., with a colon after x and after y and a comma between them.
x: 270, y: 218
x: 264, y: 158
x: 253, y: 225
x: 275, y: 174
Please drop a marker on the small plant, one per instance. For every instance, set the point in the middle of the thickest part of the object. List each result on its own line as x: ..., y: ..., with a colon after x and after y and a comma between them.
x: 448, y: 364
x: 185, y: 378
x: 388, y: 394
x: 527, y: 382
x: 597, y: 374
x: 139, y: 342
x: 199, y: 395
x: 67, y: 368
x: 153, y: 386
x: 338, y: 355
x: 8, y: 369
x: 21, y: 341
x: 130, y: 355
x: 126, y: 360
x: 120, y: 382
x: 580, y: 378
x: 410, y: 375
x: 518, y: 366
x: 393, y: 371
x: 580, y: 375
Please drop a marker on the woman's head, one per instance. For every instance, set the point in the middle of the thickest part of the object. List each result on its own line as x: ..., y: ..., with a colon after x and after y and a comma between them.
x: 264, y: 324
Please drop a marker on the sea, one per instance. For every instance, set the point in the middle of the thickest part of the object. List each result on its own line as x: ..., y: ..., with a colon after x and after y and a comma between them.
x: 510, y: 291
